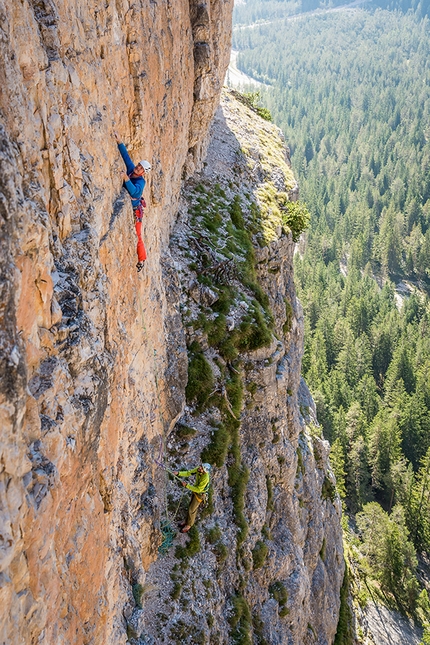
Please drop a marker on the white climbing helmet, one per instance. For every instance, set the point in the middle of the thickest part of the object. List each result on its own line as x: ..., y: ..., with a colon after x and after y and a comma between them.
x: 207, y: 468
x: 145, y: 165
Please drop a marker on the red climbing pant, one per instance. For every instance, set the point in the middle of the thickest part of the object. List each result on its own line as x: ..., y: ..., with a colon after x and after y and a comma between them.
x: 141, y: 251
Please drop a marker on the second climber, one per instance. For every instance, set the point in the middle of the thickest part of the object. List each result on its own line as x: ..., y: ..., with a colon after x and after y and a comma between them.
x: 134, y: 183
x: 199, y: 490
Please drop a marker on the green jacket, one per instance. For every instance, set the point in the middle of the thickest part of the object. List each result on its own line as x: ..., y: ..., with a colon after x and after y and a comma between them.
x: 202, y: 480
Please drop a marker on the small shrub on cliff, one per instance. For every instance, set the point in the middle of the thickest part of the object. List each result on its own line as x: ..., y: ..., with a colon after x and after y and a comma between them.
x: 216, y: 451
x: 253, y: 101
x: 278, y: 591
x: 240, y: 621
x: 254, y: 331
x: 328, y: 490
x: 200, y: 377
x: 259, y: 554
x: 345, y: 625
x: 296, y: 217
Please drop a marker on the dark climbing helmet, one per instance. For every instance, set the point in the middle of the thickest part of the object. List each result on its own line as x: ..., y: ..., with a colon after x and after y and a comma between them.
x: 207, y: 468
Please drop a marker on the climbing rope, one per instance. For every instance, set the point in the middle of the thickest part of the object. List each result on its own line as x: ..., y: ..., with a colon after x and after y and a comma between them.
x: 168, y: 534
x: 167, y: 531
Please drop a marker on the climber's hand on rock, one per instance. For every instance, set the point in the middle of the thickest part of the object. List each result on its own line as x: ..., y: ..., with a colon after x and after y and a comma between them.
x: 118, y: 140
x: 124, y: 176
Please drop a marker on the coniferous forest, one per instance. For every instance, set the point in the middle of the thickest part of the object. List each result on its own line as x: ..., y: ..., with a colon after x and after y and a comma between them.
x: 351, y: 91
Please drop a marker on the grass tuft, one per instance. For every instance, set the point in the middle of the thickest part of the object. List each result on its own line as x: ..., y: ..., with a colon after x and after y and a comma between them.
x: 200, y: 377
x: 278, y: 591
x: 240, y: 621
x: 259, y: 554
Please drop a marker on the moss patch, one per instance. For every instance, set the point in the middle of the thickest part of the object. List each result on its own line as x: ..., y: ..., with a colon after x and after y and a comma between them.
x: 278, y: 591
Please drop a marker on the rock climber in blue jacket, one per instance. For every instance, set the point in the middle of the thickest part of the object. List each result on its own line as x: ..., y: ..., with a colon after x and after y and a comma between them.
x: 134, y: 183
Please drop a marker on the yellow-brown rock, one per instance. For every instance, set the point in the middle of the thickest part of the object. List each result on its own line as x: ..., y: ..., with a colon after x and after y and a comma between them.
x: 87, y: 385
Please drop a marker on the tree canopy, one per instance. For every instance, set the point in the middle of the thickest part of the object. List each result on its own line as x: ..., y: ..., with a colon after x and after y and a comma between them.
x: 350, y: 89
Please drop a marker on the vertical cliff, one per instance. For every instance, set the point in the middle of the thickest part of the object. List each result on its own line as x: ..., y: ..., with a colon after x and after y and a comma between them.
x: 265, y: 562
x: 95, y: 359
x: 82, y: 336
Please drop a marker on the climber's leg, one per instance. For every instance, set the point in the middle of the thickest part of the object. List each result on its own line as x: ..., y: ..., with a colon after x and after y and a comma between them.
x: 192, y: 510
x: 141, y: 251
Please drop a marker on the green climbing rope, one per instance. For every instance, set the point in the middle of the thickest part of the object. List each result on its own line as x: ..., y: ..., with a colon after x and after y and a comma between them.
x: 168, y: 534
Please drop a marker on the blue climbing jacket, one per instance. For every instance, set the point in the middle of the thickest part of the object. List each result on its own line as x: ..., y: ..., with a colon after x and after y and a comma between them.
x: 134, y: 185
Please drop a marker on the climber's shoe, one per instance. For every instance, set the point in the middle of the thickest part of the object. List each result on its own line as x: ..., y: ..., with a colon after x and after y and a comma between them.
x: 139, y: 266
x: 186, y: 529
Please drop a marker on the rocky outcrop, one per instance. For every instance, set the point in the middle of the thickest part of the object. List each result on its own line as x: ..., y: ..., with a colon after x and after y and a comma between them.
x: 88, y: 376
x: 266, y: 564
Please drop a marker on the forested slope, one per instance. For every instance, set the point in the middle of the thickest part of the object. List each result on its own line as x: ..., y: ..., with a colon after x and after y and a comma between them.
x: 251, y: 11
x: 350, y: 90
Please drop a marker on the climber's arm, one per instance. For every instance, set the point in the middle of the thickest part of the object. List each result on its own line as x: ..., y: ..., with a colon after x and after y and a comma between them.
x: 126, y: 157
x: 135, y: 189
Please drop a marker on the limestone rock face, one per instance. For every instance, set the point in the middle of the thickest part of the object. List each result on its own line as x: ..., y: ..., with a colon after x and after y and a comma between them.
x: 264, y: 564
x: 93, y: 358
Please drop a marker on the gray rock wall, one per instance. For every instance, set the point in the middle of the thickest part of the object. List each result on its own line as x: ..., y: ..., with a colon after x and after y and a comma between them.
x: 280, y: 581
